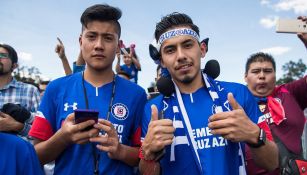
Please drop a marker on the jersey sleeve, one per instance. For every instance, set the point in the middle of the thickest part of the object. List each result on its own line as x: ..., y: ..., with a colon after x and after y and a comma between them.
x: 298, y: 89
x: 44, y: 124
x: 252, y: 110
x: 139, y: 114
x: 77, y: 68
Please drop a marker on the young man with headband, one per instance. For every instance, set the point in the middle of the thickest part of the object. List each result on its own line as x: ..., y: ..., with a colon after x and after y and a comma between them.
x: 202, y: 127
x: 108, y: 147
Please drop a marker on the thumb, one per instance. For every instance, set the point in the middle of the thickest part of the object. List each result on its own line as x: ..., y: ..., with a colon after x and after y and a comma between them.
x: 70, y: 117
x: 154, y: 113
x: 232, y: 101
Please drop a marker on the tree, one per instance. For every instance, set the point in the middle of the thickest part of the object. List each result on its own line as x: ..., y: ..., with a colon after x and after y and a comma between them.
x: 292, y: 71
x: 30, y: 75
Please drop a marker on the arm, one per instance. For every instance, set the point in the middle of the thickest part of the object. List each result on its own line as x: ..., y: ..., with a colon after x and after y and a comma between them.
x: 303, y: 36
x: 236, y: 126
x: 68, y: 134
x: 136, y: 63
x: 160, y: 133
x: 80, y: 61
x: 117, y: 68
x: 60, y: 50
x: 134, y: 60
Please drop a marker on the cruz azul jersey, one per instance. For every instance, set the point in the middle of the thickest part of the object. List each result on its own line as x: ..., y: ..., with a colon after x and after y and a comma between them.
x: 217, y: 155
x: 18, y: 156
x: 64, y: 95
x: 132, y: 71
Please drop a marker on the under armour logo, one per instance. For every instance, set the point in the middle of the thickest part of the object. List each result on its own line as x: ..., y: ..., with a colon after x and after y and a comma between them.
x: 74, y: 106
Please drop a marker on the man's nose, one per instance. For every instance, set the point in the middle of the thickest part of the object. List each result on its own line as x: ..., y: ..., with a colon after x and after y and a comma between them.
x: 181, y: 54
x: 99, y: 44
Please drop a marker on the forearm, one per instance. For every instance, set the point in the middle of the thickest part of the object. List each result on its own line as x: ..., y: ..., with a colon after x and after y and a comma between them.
x: 266, y: 156
x: 50, y: 149
x: 117, y: 67
x: 136, y: 63
x: 80, y: 60
x: 149, y: 167
x: 128, y: 155
x: 66, y: 66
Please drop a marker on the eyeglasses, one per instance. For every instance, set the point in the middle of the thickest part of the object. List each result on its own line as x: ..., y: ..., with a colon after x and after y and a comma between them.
x: 4, y: 56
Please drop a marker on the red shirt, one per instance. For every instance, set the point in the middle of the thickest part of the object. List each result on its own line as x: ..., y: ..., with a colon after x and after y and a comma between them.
x: 290, y: 130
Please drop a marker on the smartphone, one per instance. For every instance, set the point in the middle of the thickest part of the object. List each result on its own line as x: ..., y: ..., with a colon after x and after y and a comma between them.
x: 82, y: 115
x: 291, y: 26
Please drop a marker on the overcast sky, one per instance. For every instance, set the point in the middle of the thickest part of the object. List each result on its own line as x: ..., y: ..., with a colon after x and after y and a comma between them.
x: 236, y: 30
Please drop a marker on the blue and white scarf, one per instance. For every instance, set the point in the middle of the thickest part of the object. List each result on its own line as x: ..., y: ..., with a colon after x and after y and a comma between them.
x: 219, y: 98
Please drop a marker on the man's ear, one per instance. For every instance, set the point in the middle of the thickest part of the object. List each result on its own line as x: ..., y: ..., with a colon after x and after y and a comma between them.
x: 203, y: 49
x: 245, y: 77
x: 14, y: 66
x: 80, y: 40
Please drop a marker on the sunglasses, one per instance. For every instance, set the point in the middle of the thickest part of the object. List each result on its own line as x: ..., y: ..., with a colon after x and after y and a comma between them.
x: 4, y: 56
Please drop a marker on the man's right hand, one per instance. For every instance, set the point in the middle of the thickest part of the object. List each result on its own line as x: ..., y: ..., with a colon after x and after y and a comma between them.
x: 74, y: 133
x: 59, y: 49
x: 160, y: 134
x: 303, y: 36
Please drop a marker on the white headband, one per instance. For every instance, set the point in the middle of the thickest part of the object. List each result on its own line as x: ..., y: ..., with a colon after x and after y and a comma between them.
x: 174, y: 33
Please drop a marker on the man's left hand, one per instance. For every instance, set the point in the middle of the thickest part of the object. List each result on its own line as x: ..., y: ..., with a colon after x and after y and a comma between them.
x: 234, y: 125
x: 9, y: 124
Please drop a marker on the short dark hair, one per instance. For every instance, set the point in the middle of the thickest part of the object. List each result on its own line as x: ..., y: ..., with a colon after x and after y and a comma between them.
x: 121, y: 72
x: 259, y: 57
x: 11, y: 51
x: 101, y: 12
x: 174, y: 20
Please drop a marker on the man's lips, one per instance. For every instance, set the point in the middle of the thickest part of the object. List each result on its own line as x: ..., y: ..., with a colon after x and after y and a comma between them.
x: 183, y: 67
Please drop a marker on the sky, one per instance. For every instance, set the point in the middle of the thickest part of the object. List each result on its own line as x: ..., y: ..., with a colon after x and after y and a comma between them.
x: 236, y: 29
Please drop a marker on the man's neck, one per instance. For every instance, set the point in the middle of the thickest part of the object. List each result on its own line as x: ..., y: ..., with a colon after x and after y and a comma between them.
x: 5, y: 79
x: 98, y: 78
x: 191, y: 87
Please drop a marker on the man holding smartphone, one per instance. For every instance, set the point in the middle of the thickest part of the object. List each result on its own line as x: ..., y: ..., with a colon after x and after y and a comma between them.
x: 109, y: 147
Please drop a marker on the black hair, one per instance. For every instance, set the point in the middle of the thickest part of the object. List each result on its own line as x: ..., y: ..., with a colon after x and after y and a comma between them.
x: 11, y: 51
x: 174, y: 20
x: 101, y: 12
x: 259, y: 57
x: 121, y: 72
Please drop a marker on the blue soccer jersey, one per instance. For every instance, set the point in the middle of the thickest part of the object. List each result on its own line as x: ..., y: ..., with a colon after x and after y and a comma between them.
x: 18, y: 156
x: 132, y: 71
x: 64, y: 95
x: 217, y: 155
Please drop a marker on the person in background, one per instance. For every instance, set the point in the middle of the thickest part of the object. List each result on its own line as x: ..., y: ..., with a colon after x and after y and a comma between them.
x: 18, y: 156
x: 281, y: 105
x: 15, y: 94
x: 110, y: 145
x: 203, y: 126
x: 131, y: 63
x: 78, y: 65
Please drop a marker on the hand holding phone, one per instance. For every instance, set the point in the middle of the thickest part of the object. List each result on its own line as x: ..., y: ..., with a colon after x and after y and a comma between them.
x: 82, y: 115
x: 291, y: 26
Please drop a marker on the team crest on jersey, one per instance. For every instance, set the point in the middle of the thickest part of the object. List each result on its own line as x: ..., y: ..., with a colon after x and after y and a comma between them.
x: 120, y: 111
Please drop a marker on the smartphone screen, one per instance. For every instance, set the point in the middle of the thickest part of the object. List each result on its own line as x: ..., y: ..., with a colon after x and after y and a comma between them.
x: 82, y: 115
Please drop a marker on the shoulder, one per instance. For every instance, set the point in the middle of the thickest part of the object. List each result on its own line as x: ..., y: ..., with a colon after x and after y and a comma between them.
x: 64, y: 81
x: 232, y: 86
x: 13, y: 141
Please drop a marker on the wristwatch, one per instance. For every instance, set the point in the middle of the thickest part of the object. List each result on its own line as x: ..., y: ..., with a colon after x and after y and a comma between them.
x: 261, y: 140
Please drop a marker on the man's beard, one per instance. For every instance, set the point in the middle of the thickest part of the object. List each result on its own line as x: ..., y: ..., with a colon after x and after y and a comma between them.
x: 2, y: 71
x: 187, y: 80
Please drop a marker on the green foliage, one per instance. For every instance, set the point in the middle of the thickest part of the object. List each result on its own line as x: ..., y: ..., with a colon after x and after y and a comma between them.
x: 292, y: 71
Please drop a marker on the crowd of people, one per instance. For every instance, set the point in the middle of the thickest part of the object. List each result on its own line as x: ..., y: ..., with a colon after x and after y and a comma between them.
x: 203, y: 126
